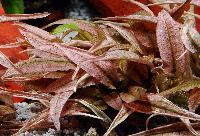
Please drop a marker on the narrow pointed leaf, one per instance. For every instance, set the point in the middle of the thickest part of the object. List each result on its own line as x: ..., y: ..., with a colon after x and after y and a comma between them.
x: 184, y: 87
x: 22, y: 94
x: 18, y: 17
x: 127, y: 34
x: 37, y: 31
x: 189, y: 126
x: 144, y: 7
x: 4, y: 61
x: 79, y: 57
x: 56, y: 105
x: 178, y: 12
x: 134, y: 93
x: 187, y: 26
x: 121, y: 116
x: 142, y: 35
x: 133, y: 18
x: 96, y: 111
x: 123, y: 54
x: 157, y: 104
x: 48, y: 56
x: 171, y: 129
x: 61, y: 85
x: 40, y: 65
x: 194, y: 2
x: 38, y: 120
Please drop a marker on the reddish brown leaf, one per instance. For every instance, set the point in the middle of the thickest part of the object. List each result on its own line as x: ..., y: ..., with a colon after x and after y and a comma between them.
x: 48, y: 56
x: 29, y: 95
x: 142, y: 35
x: 63, y: 88
x: 72, y: 107
x: 162, y: 2
x: 197, y: 11
x: 127, y: 34
x: 106, y: 43
x: 178, y: 12
x: 134, y: 93
x: 144, y: 7
x: 171, y: 48
x: 194, y: 99
x: 116, y: 8
x: 157, y: 104
x: 113, y: 100
x: 60, y: 84
x: 7, y: 99
x: 6, y: 113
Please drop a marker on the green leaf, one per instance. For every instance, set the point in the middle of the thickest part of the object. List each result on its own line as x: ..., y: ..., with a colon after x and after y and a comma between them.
x: 13, y: 6
x: 65, y: 27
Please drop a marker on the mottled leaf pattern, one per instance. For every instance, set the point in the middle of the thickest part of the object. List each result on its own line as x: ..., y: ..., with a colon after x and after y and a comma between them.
x: 57, y: 103
x: 39, y: 66
x: 170, y: 45
x: 146, y: 62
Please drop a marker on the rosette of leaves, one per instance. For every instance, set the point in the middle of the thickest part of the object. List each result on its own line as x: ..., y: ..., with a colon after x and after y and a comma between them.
x: 128, y: 64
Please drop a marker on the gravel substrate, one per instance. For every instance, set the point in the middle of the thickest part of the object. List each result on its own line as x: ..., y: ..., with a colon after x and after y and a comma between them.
x: 80, y: 9
x: 53, y: 132
x: 25, y: 111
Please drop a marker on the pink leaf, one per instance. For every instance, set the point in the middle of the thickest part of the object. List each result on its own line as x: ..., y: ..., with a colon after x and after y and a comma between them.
x: 56, y: 105
x: 170, y: 45
x: 18, y: 17
x: 38, y: 65
x: 35, y: 30
x: 140, y: 18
